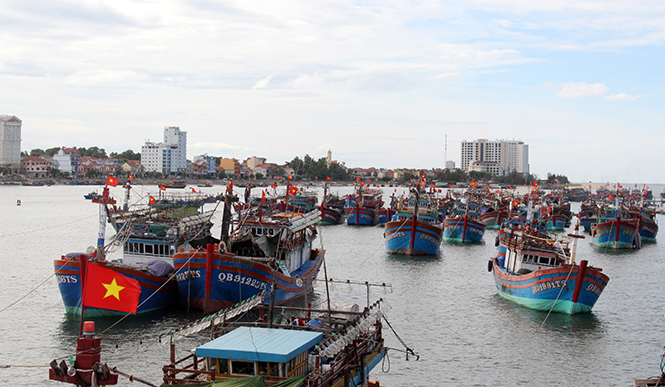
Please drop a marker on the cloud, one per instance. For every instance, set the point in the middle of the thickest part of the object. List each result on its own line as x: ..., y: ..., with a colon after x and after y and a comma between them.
x: 100, y: 76
x: 580, y: 89
x: 622, y: 97
x: 263, y: 82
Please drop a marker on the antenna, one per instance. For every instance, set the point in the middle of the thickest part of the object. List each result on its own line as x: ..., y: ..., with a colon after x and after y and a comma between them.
x: 445, y: 153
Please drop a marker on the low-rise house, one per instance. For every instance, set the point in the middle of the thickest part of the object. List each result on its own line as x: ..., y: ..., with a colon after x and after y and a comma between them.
x: 37, y: 167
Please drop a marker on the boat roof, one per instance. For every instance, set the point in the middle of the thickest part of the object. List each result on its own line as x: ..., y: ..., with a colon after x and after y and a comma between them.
x: 260, y: 344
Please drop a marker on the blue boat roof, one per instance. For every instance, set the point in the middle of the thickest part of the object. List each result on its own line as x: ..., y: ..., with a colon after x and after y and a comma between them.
x: 260, y: 344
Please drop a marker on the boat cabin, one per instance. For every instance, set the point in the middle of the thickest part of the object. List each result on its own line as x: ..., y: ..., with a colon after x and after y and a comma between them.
x: 249, y: 351
x: 525, y: 254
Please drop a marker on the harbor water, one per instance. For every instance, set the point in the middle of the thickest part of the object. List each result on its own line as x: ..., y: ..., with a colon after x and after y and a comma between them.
x: 445, y: 308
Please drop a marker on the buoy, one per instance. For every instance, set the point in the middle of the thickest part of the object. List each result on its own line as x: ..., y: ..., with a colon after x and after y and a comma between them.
x: 18, y: 202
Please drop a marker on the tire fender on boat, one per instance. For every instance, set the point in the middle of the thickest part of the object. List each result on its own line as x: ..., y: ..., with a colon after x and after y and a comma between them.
x: 489, y: 265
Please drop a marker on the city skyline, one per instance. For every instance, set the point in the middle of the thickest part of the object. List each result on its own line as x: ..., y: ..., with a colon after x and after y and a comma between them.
x: 381, y: 84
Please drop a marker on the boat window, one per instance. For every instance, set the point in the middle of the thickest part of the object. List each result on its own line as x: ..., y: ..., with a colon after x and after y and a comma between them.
x: 148, y: 249
x: 263, y: 368
x: 258, y: 231
x: 242, y: 367
x: 222, y: 366
x: 544, y: 260
x: 274, y: 369
x: 140, y: 248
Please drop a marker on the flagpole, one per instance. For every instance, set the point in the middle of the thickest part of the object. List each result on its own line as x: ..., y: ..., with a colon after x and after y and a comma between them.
x: 83, y: 259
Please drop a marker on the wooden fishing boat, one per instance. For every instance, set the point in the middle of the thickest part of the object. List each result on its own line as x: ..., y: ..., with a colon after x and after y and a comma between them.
x: 614, y: 233
x: 462, y: 224
x: 540, y: 273
x: 332, y: 208
x: 335, y: 345
x: 149, y: 236
x: 416, y: 228
x: 158, y: 288
x: 174, y: 184
x: 266, y: 250
x: 361, y: 208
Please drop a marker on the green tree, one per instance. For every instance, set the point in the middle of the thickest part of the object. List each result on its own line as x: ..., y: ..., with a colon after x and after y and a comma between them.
x: 37, y: 152
x: 52, y: 151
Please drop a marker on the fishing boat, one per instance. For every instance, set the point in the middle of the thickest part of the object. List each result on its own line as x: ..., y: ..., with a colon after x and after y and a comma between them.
x: 174, y: 184
x: 266, y: 250
x: 539, y: 272
x: 614, y: 233
x: 332, y: 208
x: 158, y: 289
x: 336, y: 344
x: 385, y: 214
x: 91, y: 195
x: 361, y: 207
x: 149, y: 236
x: 416, y: 228
x: 493, y: 216
x: 462, y: 223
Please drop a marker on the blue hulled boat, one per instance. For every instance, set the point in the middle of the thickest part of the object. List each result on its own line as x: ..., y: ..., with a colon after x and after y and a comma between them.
x: 361, y: 208
x: 416, y: 228
x: 541, y: 273
x: 463, y: 224
x: 266, y: 250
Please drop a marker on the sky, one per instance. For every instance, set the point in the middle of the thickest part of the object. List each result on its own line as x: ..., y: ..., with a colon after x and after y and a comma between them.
x: 385, y: 84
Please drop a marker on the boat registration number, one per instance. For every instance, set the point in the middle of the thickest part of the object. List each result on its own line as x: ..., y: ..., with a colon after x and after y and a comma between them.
x: 548, y: 285
x: 242, y: 280
x: 67, y: 279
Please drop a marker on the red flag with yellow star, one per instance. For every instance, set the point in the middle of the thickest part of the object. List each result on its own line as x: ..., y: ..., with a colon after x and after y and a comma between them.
x: 107, y: 289
x: 112, y: 181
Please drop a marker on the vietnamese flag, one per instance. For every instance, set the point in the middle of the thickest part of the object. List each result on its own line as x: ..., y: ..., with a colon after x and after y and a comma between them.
x: 193, y: 190
x: 263, y: 196
x: 535, y: 184
x: 107, y: 289
x: 162, y: 188
x: 130, y: 176
x: 112, y: 181
x: 327, y: 177
x: 152, y: 201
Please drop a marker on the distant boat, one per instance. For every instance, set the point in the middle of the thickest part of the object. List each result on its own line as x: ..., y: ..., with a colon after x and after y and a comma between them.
x: 463, y: 224
x: 362, y: 206
x: 91, y: 195
x: 332, y: 208
x: 416, y: 228
x: 174, y: 184
x: 34, y: 184
x: 614, y: 233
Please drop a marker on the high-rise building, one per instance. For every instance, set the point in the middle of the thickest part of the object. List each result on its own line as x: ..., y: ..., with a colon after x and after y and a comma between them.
x: 500, y: 157
x: 10, y: 141
x: 168, y: 157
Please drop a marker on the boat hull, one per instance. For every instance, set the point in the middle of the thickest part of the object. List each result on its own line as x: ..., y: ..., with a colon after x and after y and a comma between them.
x: 156, y: 292
x: 403, y: 238
x: 233, y: 279
x: 385, y: 214
x: 463, y: 229
x: 552, y: 289
x: 331, y: 215
x: 361, y: 216
x: 555, y: 222
x: 614, y: 234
